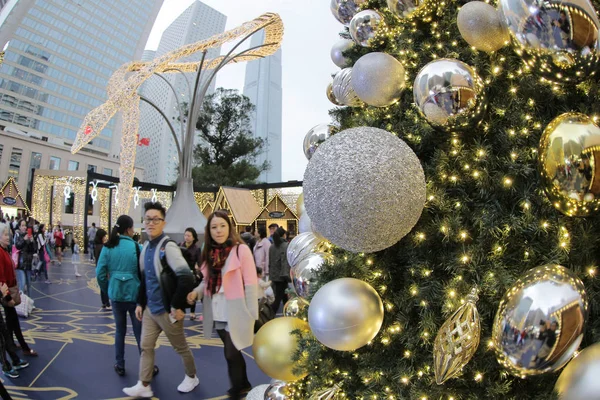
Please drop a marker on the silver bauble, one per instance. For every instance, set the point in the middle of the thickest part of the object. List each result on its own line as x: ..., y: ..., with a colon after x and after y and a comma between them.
x: 579, y: 380
x: 331, y: 96
x: 364, y: 26
x: 301, y: 246
x: 378, y: 79
x: 277, y: 391
x: 345, y: 314
x: 559, y: 38
x: 344, y: 10
x: 257, y: 392
x: 304, y: 223
x: 342, y: 88
x: 449, y: 94
x: 304, y: 274
x: 480, y: 25
x: 317, y: 135
x: 549, y: 304
x: 355, y: 175
x: 337, y: 52
x: 406, y: 8
x: 568, y: 154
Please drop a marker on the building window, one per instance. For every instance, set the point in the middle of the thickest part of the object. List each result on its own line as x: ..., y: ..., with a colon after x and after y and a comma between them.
x: 15, y: 163
x: 92, y: 168
x: 108, y: 171
x: 54, y: 163
x: 73, y: 165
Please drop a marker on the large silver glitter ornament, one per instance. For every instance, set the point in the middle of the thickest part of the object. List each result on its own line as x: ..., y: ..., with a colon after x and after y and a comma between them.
x: 301, y: 246
x: 481, y: 26
x: 257, y: 393
x: 337, y: 52
x: 406, y: 8
x: 317, y: 135
x: 579, y: 380
x: 344, y: 10
x: 304, y: 274
x: 559, y: 38
x: 342, y: 88
x: 277, y: 391
x: 364, y: 26
x: 378, y: 79
x: 331, y: 96
x: 540, y: 321
x: 360, y: 173
x: 449, y: 94
x: 345, y: 314
x: 568, y: 153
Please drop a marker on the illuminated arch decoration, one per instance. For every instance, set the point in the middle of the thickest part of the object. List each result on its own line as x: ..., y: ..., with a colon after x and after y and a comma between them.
x: 122, y: 93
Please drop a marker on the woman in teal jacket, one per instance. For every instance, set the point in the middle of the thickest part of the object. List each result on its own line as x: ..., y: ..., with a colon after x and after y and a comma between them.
x: 117, y: 273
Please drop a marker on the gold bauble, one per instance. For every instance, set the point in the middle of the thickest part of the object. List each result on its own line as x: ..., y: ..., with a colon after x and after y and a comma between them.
x: 540, y: 321
x: 294, y: 306
x: 300, y: 205
x: 480, y: 25
x: 457, y: 340
x: 580, y: 379
x: 567, y: 163
x: 274, y: 345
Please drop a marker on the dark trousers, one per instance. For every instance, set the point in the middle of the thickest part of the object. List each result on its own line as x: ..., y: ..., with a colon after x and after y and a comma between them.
x: 120, y: 310
x: 4, y: 393
x: 236, y: 365
x: 14, y: 327
x: 280, y: 296
x: 104, y: 299
x: 7, y: 345
x: 43, y: 268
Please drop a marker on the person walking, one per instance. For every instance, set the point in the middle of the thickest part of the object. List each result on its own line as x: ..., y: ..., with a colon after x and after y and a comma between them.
x: 92, y: 240
x: 42, y: 252
x: 100, y: 239
x: 230, y: 294
x: 162, y: 302
x: 279, y: 269
x: 75, y: 257
x: 191, y: 253
x: 59, y: 237
x: 261, y: 252
x: 26, y: 245
x: 119, y: 261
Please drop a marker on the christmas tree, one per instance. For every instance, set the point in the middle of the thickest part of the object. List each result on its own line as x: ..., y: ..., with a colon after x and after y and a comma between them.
x: 510, y: 187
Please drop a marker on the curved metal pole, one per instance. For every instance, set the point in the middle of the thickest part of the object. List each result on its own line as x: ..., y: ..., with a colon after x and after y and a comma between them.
x: 181, y: 124
x: 168, y: 123
x: 186, y: 171
x: 187, y: 81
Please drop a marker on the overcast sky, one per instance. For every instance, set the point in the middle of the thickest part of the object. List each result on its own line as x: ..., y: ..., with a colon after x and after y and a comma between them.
x: 310, y: 31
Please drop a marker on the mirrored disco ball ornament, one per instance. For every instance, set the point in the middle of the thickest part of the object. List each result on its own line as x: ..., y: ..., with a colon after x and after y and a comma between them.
x: 344, y: 10
x: 558, y: 38
x: 568, y: 153
x: 304, y: 274
x: 337, y: 52
x: 359, y: 173
x: 540, y: 321
x: 406, y: 8
x: 449, y: 94
x: 317, y: 135
x: 331, y: 96
x: 364, y: 26
x: 481, y: 26
x: 277, y: 391
x: 378, y: 79
x: 580, y: 380
x: 342, y: 88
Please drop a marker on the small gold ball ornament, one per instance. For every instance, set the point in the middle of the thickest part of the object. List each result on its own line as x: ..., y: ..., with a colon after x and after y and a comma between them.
x: 480, y: 25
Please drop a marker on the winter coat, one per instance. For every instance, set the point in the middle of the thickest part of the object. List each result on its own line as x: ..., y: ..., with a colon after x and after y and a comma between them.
x: 279, y: 269
x: 261, y: 255
x: 27, y: 248
x: 121, y: 264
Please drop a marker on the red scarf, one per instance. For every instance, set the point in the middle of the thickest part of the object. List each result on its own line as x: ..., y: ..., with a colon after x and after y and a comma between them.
x: 217, y: 258
x: 7, y: 270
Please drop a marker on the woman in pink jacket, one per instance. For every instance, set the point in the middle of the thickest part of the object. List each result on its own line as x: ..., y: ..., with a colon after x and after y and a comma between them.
x: 230, y: 295
x: 261, y: 251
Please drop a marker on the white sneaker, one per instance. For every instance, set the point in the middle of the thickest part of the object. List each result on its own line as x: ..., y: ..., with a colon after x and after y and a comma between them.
x: 78, y: 275
x: 139, y: 391
x: 188, y: 384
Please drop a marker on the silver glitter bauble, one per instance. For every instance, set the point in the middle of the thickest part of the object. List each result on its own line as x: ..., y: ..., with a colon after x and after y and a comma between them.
x: 342, y: 88
x: 364, y: 25
x: 301, y: 246
x: 345, y: 314
x: 406, y: 8
x: 378, y: 79
x: 359, y: 173
x: 257, y: 393
x: 481, y: 26
x: 546, y: 309
x: 558, y: 38
x: 337, y: 52
x: 277, y: 391
x: 579, y: 380
x: 344, y: 10
x: 304, y: 274
x: 331, y: 96
x: 449, y: 94
x: 317, y: 135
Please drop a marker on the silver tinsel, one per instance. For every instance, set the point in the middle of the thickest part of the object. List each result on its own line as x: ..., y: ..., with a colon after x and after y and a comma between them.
x: 364, y: 189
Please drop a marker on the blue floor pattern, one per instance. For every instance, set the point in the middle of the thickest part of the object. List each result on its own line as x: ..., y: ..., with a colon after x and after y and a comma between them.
x: 74, y: 338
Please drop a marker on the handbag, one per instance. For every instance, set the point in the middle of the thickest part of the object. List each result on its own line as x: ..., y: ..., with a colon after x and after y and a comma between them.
x: 265, y: 314
x: 15, y: 294
x: 46, y: 255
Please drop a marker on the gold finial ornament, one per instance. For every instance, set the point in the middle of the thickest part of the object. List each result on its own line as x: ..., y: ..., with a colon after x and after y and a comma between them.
x: 327, y: 394
x: 457, y: 340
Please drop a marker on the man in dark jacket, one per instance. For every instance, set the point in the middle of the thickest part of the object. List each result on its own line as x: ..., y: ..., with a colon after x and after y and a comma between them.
x: 248, y: 237
x: 166, y: 281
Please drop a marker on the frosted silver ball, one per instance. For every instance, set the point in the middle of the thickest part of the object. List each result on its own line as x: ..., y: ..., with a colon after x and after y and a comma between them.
x: 364, y: 25
x: 405, y: 8
x: 342, y: 88
x: 378, y: 79
x: 337, y: 52
x: 344, y: 10
x: 257, y: 393
x: 331, y: 96
x: 317, y: 135
x: 480, y: 25
x: 360, y: 173
x: 449, y: 94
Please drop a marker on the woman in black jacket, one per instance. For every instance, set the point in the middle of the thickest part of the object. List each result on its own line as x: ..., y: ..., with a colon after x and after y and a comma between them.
x: 99, y: 240
x: 279, y: 269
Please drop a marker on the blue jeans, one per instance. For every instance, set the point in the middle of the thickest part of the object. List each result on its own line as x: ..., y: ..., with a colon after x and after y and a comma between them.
x: 24, y: 281
x: 120, y: 310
